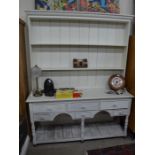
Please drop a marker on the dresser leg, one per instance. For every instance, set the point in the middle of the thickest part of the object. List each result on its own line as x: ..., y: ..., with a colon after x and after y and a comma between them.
x: 82, y: 128
x: 126, y: 125
x: 33, y: 133
x: 34, y: 141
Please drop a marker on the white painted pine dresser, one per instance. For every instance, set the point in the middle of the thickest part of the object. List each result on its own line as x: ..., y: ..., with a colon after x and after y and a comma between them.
x: 54, y: 40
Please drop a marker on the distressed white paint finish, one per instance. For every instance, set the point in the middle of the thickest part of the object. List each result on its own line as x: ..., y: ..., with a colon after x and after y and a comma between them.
x: 64, y: 32
x: 59, y: 133
x: 32, y: 124
x: 115, y: 104
x: 47, y: 111
x: 93, y: 131
x: 79, y: 79
x: 65, y: 133
x: 93, y: 33
x: 55, y: 39
x: 59, y: 57
x: 88, y: 94
x: 82, y: 127
x: 78, y: 32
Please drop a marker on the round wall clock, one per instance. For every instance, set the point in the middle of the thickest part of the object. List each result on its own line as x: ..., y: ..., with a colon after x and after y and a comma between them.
x: 116, y: 82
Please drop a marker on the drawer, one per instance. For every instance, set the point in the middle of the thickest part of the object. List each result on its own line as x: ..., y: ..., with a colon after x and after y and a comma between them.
x: 43, y: 116
x: 49, y: 107
x: 120, y: 112
x: 87, y: 114
x: 115, y: 104
x: 83, y: 106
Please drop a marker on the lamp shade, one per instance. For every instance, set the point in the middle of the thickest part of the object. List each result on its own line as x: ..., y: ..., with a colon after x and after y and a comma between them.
x: 36, y: 71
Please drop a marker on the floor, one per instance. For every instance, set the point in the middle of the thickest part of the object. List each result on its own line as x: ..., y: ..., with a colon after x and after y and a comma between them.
x: 76, y: 148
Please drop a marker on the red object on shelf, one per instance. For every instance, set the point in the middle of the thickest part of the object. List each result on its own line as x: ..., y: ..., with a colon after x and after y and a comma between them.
x: 76, y: 94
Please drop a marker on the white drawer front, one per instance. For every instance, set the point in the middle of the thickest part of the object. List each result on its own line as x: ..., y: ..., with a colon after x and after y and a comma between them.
x: 43, y: 116
x: 115, y: 104
x: 85, y: 114
x: 119, y: 112
x: 49, y: 107
x: 83, y: 106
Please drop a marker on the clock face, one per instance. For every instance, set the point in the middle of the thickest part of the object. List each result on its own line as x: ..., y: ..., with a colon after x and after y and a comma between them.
x: 116, y: 82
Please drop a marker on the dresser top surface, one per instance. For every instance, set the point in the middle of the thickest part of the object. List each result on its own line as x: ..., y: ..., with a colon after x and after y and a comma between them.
x: 88, y: 94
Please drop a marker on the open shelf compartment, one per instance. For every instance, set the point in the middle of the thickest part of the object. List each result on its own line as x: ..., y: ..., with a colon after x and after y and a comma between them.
x: 61, y: 133
x: 57, y: 133
x: 103, y: 130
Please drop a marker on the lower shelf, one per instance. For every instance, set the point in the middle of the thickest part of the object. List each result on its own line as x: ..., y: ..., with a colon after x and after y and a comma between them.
x: 63, y: 133
x: 98, y: 130
x: 59, y: 133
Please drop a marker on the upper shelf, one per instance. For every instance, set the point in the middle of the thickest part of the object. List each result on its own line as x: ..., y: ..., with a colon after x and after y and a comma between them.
x: 82, y: 69
x: 84, y: 33
x: 76, y: 44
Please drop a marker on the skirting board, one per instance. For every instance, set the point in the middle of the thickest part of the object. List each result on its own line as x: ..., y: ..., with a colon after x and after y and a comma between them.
x: 25, y: 146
